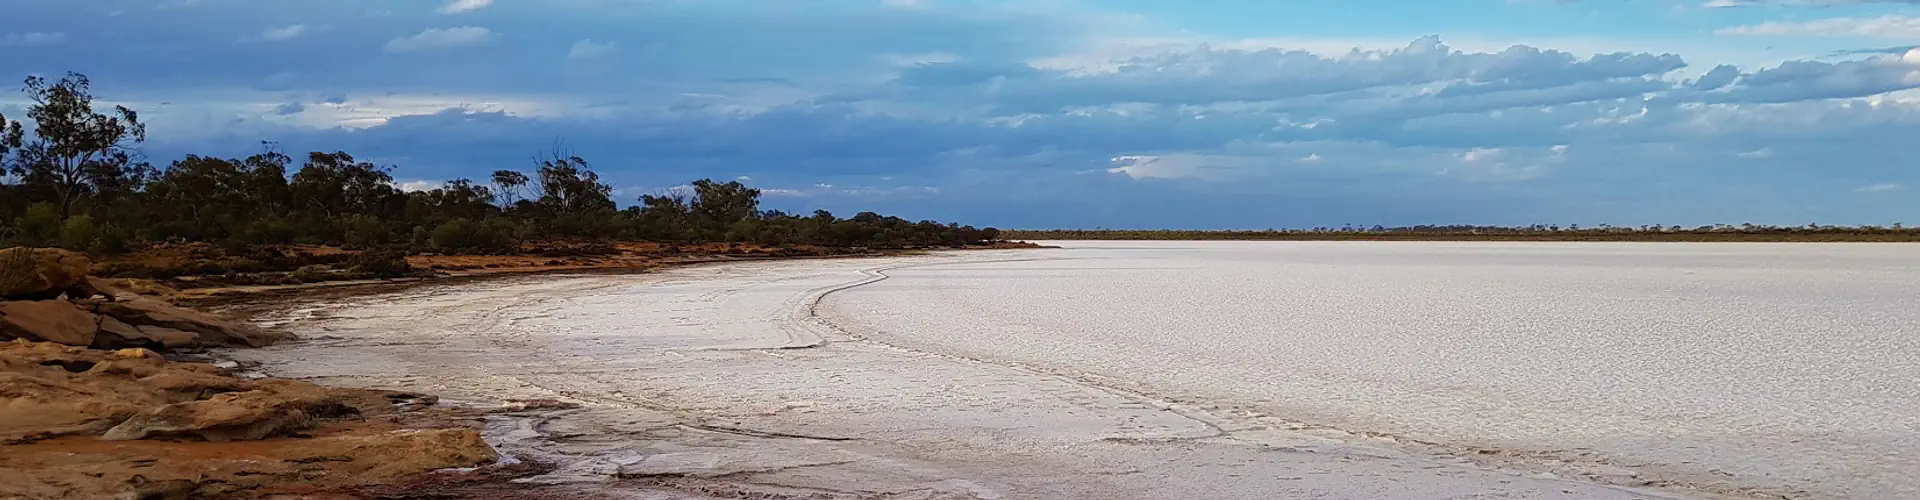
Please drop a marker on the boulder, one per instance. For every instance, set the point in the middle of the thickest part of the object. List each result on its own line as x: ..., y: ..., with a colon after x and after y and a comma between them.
x: 57, y: 321
x: 234, y: 416
x: 43, y: 273
x: 210, y: 329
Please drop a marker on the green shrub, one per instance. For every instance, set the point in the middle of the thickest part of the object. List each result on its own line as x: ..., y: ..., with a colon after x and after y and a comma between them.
x: 78, y: 232
x: 379, y: 264
x: 39, y: 226
x: 359, y: 231
x: 267, y: 231
x: 311, y: 274
x: 110, y: 240
x: 462, y: 235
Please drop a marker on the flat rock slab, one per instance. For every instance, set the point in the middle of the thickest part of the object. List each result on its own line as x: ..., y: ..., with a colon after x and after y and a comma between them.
x: 57, y: 321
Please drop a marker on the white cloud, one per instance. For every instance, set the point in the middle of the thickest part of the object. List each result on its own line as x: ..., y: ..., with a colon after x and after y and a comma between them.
x: 464, y: 6
x: 588, y: 49
x: 284, y: 33
x: 32, y: 39
x: 436, y: 39
x: 1757, y: 154
x: 907, y: 4
x: 1501, y: 164
x: 1889, y: 26
x: 1173, y: 166
x: 1881, y: 188
x: 418, y: 185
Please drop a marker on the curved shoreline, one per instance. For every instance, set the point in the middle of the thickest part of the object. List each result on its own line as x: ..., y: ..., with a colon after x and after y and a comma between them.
x: 890, y: 419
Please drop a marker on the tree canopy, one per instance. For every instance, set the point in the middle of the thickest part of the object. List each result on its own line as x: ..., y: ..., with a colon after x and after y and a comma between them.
x: 75, y: 180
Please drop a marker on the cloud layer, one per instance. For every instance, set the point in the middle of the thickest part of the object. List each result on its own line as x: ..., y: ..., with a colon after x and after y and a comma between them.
x: 1029, y: 114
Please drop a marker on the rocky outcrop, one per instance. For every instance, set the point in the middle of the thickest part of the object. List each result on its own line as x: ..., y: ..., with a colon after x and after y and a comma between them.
x: 256, y: 411
x: 125, y: 323
x: 32, y: 282
x: 90, y: 409
x: 242, y: 416
x: 398, y: 453
x: 44, y: 273
x: 209, y: 329
x: 191, y: 430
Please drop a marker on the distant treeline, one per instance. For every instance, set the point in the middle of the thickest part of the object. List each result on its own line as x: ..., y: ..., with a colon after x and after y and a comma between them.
x: 76, y: 181
x: 1722, y: 233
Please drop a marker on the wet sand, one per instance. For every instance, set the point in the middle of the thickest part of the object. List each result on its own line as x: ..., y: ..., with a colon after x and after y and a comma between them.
x: 720, y: 382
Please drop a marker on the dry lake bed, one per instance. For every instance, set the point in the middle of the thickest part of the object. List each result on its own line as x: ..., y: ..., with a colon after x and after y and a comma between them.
x: 1184, y: 370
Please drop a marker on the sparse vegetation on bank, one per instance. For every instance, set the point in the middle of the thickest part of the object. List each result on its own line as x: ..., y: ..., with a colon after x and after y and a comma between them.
x: 1715, y: 233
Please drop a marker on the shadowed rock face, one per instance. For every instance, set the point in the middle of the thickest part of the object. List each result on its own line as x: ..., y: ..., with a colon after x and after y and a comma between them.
x: 43, y: 273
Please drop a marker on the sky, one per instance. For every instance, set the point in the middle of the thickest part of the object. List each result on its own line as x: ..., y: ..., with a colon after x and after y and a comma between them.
x: 1208, y: 114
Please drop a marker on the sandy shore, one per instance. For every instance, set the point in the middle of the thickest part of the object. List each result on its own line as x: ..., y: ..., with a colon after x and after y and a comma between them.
x: 719, y: 382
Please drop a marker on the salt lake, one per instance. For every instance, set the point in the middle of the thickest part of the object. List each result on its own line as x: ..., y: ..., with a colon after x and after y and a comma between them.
x: 1785, y: 369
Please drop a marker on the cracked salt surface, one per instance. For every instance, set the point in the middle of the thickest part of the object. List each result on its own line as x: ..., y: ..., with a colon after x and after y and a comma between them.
x: 1167, y: 371
x: 1766, y: 369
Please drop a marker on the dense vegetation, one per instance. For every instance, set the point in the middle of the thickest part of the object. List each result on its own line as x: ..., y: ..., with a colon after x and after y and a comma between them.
x: 74, y: 179
x: 1746, y: 232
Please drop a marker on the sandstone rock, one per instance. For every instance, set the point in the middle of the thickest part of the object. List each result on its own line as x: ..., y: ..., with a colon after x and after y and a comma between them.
x: 43, y: 273
x: 49, y: 321
x: 49, y: 390
x: 118, y: 329
x: 169, y: 337
x: 241, y: 410
x: 397, y: 453
x: 240, y: 416
x: 122, y: 287
x: 55, y: 400
x: 210, y: 329
x: 116, y: 334
x: 36, y: 406
x: 192, y: 385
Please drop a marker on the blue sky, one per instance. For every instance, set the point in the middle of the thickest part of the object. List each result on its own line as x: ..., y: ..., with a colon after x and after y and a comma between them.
x: 1059, y: 113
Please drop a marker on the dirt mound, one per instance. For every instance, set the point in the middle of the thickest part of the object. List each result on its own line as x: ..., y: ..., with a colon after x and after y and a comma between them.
x: 84, y: 423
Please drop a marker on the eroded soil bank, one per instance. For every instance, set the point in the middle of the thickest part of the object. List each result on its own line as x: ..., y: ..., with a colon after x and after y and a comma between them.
x: 719, y: 382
